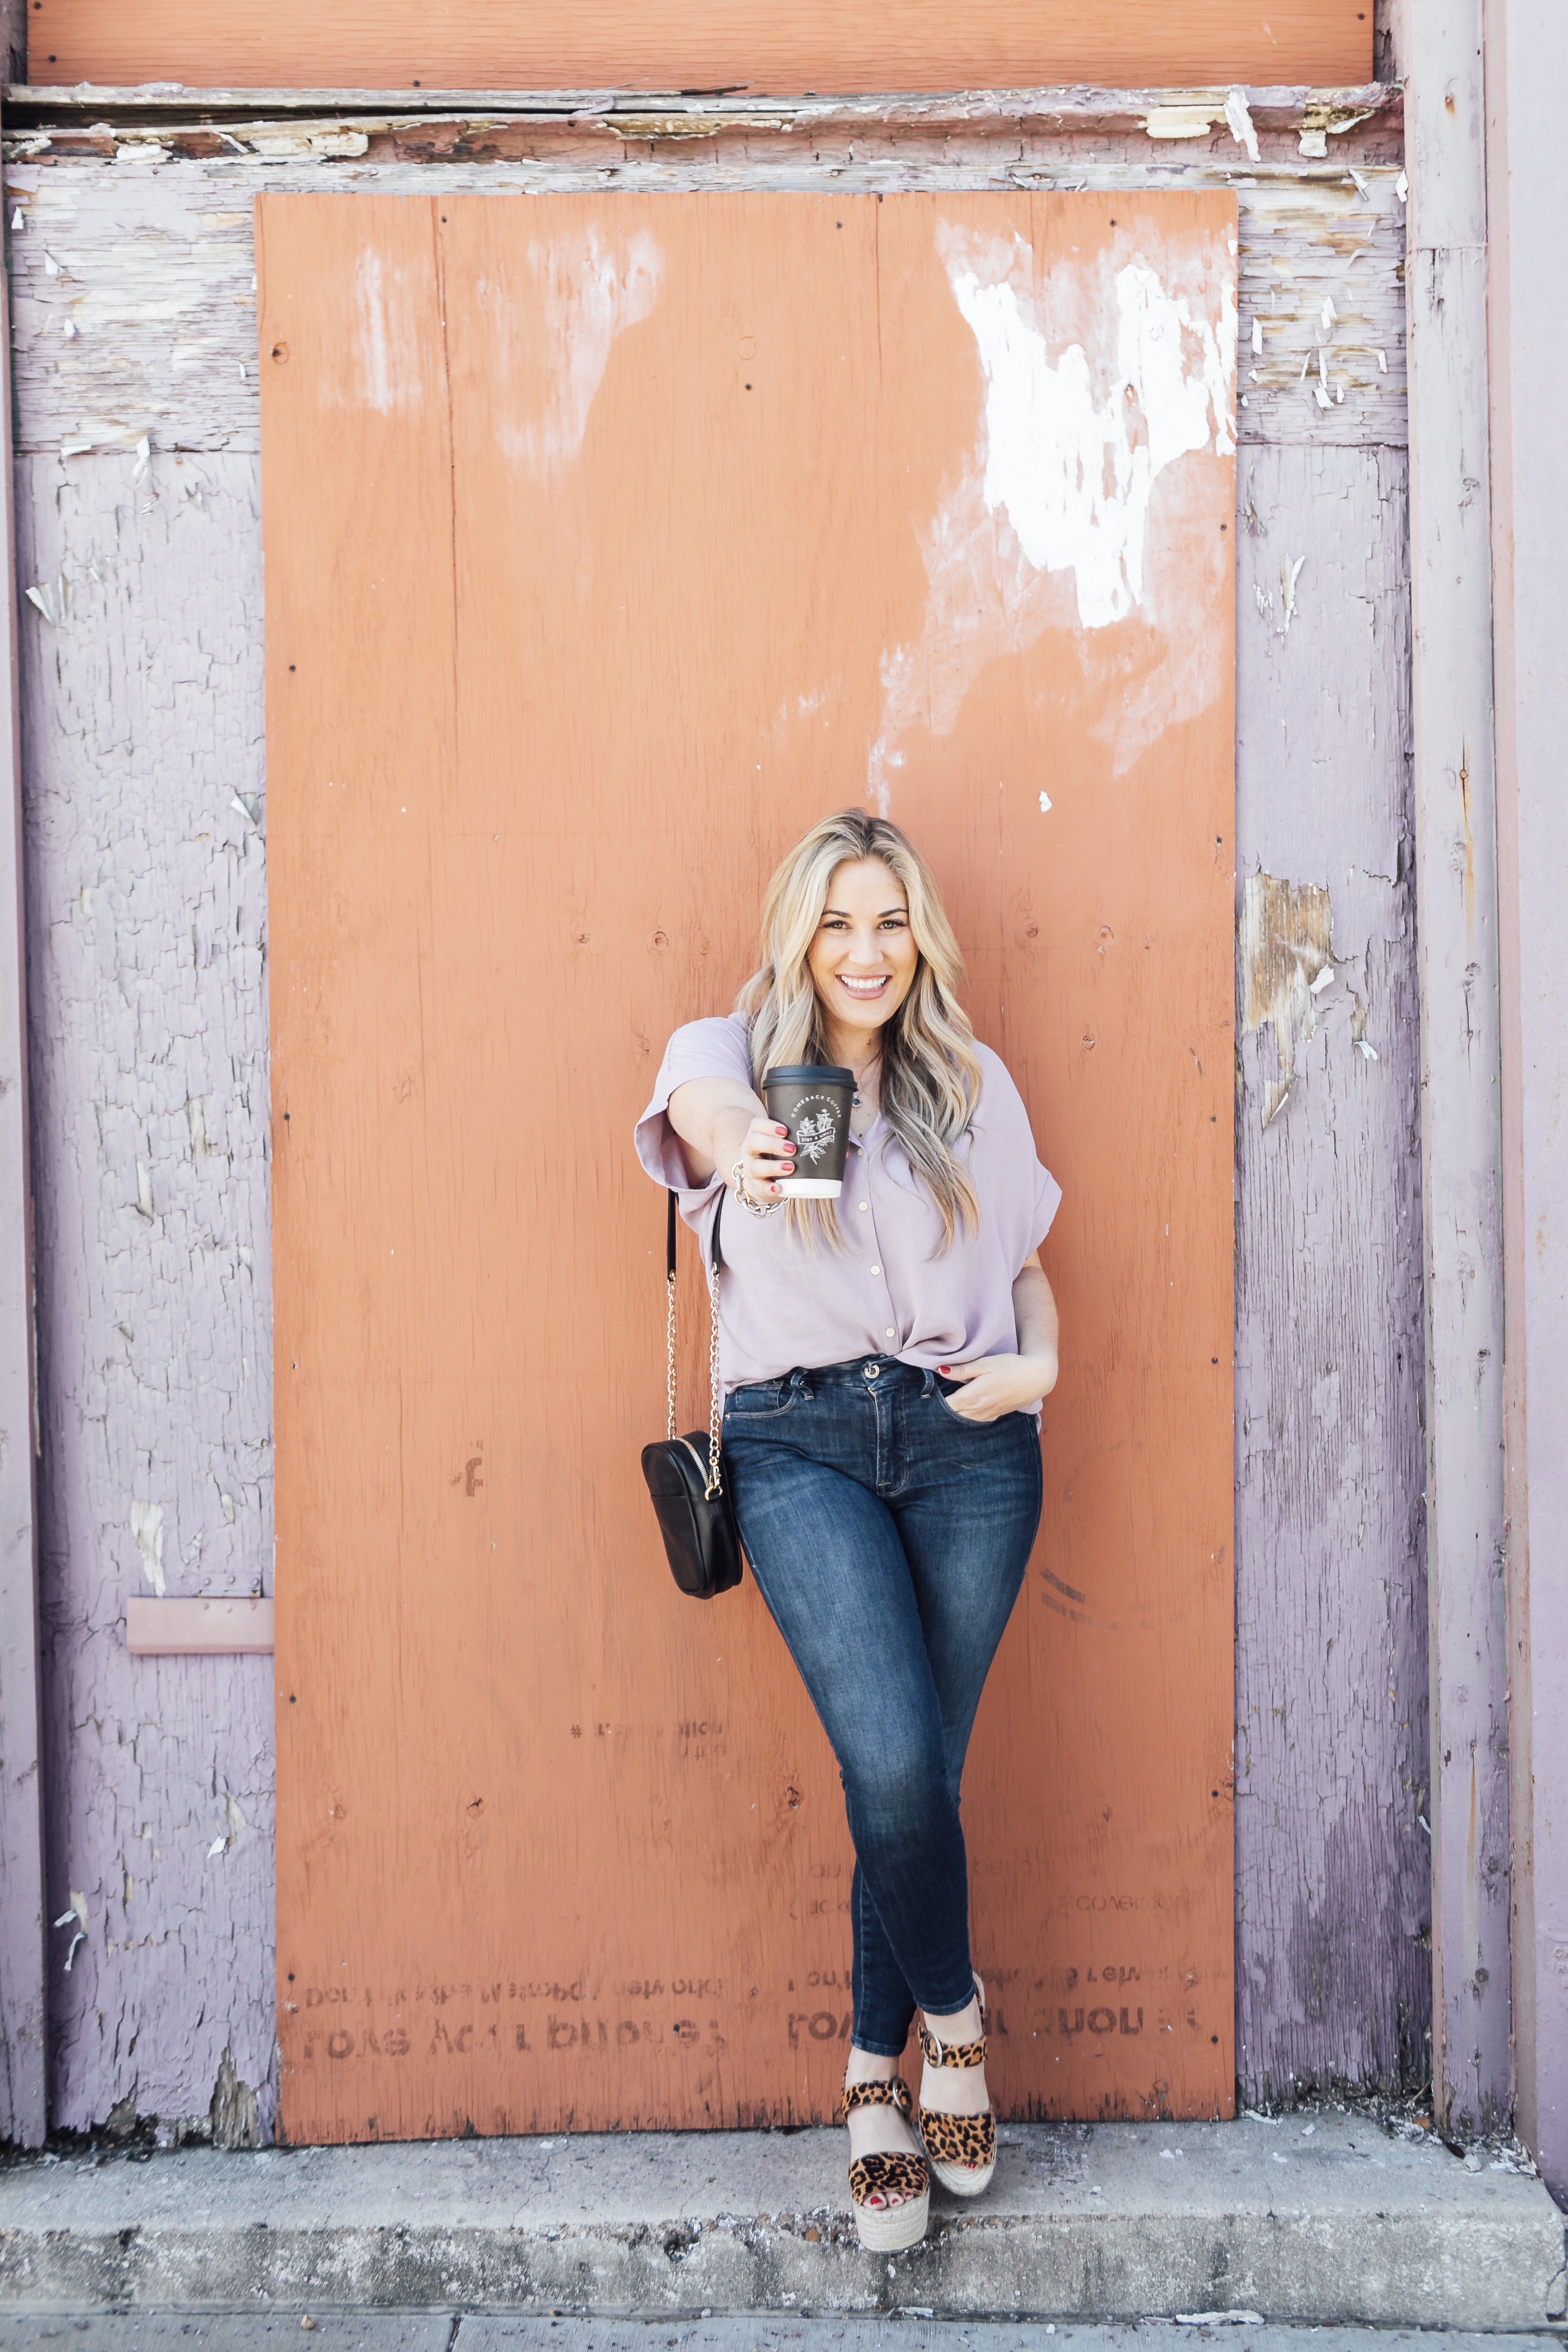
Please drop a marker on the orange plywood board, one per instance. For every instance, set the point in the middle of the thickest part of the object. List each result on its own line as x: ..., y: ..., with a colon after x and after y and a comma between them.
x: 610, y: 540
x: 708, y: 45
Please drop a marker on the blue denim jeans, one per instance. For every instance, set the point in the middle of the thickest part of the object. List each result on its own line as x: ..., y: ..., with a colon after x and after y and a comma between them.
x: 889, y: 1538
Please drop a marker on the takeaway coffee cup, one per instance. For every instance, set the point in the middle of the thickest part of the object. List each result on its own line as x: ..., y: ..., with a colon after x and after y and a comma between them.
x: 812, y: 1101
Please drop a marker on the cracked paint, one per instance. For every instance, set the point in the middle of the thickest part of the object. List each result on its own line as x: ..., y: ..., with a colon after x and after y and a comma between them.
x: 148, y: 1017
x: 1334, y: 1875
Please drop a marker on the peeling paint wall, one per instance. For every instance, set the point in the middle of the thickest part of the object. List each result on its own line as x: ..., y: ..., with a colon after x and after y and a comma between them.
x: 142, y: 746
x: 137, y: 488
x: 1333, y: 1979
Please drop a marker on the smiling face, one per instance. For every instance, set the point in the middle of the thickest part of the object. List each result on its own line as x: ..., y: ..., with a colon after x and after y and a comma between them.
x: 864, y: 957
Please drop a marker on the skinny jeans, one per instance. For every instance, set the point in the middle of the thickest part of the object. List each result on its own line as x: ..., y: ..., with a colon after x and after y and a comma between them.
x: 889, y: 1538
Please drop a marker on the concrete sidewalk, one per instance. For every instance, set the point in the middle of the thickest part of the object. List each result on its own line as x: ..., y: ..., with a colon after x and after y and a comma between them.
x: 1324, y: 2220
x: 453, y: 2331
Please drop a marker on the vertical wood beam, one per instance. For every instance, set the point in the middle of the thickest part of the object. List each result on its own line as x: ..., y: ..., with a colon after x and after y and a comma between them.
x: 22, y: 1983
x: 1527, y: 177
x: 1456, y: 849
x: 14, y: 41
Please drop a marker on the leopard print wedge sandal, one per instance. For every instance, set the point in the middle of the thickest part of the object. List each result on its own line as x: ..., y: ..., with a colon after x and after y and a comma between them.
x: 888, y: 2229
x: 962, y: 2149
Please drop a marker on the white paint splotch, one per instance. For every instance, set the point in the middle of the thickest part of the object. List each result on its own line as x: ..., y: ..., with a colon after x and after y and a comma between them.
x: 147, y: 1526
x: 1073, y: 462
x: 582, y: 292
x: 1098, y: 375
x: 386, y: 338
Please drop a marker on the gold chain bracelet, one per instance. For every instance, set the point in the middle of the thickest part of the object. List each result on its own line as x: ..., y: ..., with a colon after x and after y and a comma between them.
x: 739, y: 1175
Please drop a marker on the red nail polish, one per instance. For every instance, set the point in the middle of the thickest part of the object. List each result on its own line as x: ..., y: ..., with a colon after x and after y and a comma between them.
x: 944, y: 1367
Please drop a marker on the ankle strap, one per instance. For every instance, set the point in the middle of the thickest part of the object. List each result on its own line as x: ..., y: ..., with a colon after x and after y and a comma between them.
x: 950, y: 2053
x: 892, y: 2090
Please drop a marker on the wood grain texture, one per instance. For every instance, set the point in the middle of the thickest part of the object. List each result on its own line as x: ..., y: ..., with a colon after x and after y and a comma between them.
x: 525, y: 797
x: 23, y: 2005
x: 1333, y: 1865
x: 803, y: 45
x: 142, y: 731
x: 1461, y: 1184
x: 161, y: 249
x: 154, y: 264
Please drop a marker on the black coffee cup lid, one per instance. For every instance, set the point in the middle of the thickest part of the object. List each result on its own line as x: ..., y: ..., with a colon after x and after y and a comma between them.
x: 810, y: 1074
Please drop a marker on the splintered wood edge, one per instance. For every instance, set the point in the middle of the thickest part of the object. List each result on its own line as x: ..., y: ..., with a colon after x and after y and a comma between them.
x: 197, y: 1628
x: 1079, y: 106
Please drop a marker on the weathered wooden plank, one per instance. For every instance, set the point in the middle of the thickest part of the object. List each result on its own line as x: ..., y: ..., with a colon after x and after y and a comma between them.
x: 1073, y: 105
x: 763, y: 45
x: 1456, y: 872
x: 1332, y: 1866
x: 23, y: 2008
x: 151, y: 265
x: 1527, y: 174
x: 444, y: 1187
x: 142, y: 743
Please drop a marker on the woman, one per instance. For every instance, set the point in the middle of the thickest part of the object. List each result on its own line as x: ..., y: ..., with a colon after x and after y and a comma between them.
x: 885, y: 1356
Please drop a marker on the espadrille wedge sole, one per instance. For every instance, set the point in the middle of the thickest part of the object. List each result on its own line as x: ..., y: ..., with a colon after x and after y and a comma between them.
x: 961, y: 2149
x: 888, y: 2229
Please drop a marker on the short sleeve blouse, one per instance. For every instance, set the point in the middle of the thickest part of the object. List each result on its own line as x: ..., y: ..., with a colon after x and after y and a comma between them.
x: 892, y: 1291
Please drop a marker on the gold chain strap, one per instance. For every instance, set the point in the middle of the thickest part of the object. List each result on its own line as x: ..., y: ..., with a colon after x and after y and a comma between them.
x: 669, y: 1367
x: 714, y: 1484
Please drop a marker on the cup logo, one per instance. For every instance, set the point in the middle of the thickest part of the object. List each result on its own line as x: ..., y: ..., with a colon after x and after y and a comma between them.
x: 814, y: 1136
x: 817, y: 1120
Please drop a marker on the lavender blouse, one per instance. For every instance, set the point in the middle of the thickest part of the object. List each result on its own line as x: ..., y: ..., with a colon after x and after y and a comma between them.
x: 892, y: 1291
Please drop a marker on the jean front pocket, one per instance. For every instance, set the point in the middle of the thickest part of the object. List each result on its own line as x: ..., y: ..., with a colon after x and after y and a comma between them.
x: 944, y: 1399
x: 760, y: 1400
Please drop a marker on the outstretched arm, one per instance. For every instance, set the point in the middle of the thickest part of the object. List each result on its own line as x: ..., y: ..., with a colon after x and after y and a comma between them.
x: 719, y: 1121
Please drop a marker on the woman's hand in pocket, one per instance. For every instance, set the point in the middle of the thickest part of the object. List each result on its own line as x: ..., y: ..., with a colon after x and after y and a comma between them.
x: 994, y: 1385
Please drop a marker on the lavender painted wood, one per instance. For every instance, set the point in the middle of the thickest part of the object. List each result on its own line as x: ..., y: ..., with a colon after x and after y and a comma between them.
x: 143, y: 713
x: 142, y: 733
x: 1456, y: 871
x: 1334, y: 1980
x: 23, y: 2010
x: 1527, y: 174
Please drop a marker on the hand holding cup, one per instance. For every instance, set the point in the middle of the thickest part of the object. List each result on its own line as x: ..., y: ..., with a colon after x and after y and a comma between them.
x: 812, y: 1101
x: 767, y: 1156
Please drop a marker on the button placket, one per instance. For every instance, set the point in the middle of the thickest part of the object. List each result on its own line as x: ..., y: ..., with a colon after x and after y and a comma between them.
x: 890, y: 1330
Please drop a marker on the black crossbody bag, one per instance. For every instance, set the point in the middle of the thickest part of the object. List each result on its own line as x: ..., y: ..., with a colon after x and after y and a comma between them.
x: 685, y: 1474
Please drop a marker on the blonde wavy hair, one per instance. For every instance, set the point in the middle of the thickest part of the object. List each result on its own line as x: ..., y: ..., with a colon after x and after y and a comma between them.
x: 930, y: 1072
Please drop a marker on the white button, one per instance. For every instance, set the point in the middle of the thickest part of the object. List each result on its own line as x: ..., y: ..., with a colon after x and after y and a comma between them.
x: 873, y: 1371
x: 864, y: 1206
x: 891, y: 1332
x: 876, y: 1269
